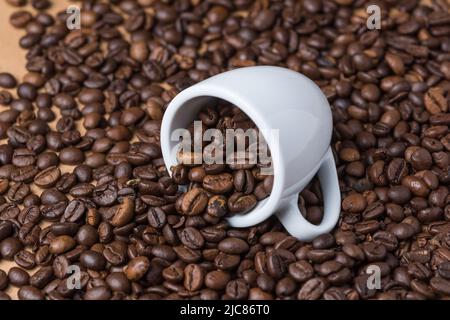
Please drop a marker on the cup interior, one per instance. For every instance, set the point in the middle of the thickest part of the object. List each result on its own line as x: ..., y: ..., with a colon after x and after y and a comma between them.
x: 184, y: 114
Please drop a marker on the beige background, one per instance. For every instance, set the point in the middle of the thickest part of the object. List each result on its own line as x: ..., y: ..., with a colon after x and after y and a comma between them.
x: 12, y: 59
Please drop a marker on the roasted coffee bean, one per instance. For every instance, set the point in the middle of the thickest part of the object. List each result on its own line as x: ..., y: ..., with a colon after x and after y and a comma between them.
x: 192, y: 238
x: 217, y: 206
x: 217, y: 280
x: 237, y: 289
x: 374, y: 251
x: 354, y: 203
x: 233, y: 246
x: 9, y: 247
x: 30, y: 293
x: 17, y: 192
x: 41, y: 277
x: 220, y: 183
x: 115, y: 252
x: 387, y: 239
x: 61, y: 244
x: 20, y: 19
x: 156, y: 217
x: 92, y: 260
x: 444, y: 270
x: 98, y: 293
x: 244, y: 181
x: 324, y: 241
x: 48, y: 177
x: 193, y: 277
x: 71, y: 156
x: 194, y: 202
x: 402, y: 231
x: 122, y: 213
x: 301, y: 271
x: 312, y: 289
x: 440, y: 285
x: 7, y: 80
x: 25, y: 259
x: 118, y: 281
x: 4, y: 281
x: 137, y: 268
x: 18, y: 277
x: 275, y: 265
x: 52, y: 196
x: 241, y: 203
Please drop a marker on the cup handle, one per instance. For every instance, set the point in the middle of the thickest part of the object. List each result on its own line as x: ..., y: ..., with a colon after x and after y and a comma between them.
x: 291, y: 217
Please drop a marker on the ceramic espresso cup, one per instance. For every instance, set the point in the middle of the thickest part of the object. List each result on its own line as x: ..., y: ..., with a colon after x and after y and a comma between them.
x: 277, y: 100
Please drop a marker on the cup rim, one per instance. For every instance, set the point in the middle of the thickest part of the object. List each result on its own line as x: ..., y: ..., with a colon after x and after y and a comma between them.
x: 209, y: 89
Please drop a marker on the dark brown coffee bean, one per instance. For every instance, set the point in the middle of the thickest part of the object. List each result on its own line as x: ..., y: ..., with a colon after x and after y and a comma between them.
x: 9, y: 247
x: 18, y: 277
x: 354, y: 203
x: 92, y: 260
x: 156, y: 217
x: 444, y: 270
x: 20, y: 19
x: 237, y: 289
x: 17, y: 192
x: 312, y: 289
x: 217, y: 206
x: 25, y: 259
x: 233, y: 246
x: 192, y: 238
x: 4, y: 281
x: 241, y: 203
x: 244, y: 181
x: 402, y: 231
x: 194, y: 202
x: 137, y: 268
x: 193, y: 277
x: 217, y: 280
x: 7, y: 80
x: 374, y: 251
x: 221, y: 183
x: 62, y: 244
x: 123, y: 213
x: 115, y: 252
x: 98, y: 293
x: 225, y: 261
x: 399, y: 194
x: 440, y: 285
x: 30, y: 293
x: 434, y: 101
x: 118, y: 281
x: 48, y: 177
x: 71, y: 156
x: 324, y: 241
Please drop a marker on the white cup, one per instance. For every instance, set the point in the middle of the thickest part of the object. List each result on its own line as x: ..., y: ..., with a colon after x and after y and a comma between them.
x: 280, y: 99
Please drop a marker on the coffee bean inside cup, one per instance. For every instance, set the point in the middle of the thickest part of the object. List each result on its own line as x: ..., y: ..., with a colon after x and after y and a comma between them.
x: 223, y: 154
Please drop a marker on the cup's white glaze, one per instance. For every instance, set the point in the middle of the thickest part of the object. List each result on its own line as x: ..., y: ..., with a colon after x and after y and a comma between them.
x: 281, y: 99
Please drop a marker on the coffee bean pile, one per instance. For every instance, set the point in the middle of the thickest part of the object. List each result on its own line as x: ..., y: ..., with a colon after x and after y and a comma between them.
x: 93, y: 100
x: 234, y: 182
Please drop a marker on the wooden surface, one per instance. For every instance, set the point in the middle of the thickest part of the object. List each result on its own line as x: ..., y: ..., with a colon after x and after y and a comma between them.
x: 12, y: 60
